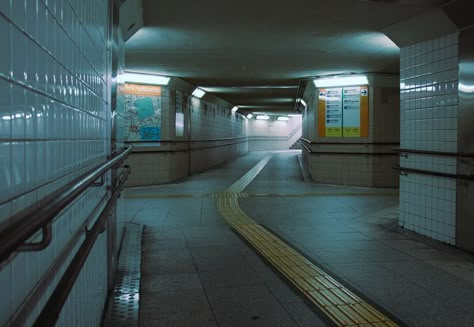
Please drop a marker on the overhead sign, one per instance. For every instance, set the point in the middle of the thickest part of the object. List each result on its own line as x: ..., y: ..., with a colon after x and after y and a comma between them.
x: 343, y: 112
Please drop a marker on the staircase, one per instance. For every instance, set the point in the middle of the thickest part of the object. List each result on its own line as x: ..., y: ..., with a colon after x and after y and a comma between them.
x: 296, y: 145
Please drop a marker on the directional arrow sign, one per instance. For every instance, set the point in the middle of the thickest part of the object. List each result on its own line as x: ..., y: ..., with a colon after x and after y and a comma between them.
x: 363, y: 92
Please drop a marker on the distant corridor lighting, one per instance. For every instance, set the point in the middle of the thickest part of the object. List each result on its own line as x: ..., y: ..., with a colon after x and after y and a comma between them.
x: 146, y: 79
x: 283, y: 118
x: 341, y: 81
x: 198, y: 93
x: 235, y: 109
x: 249, y: 116
x: 262, y: 117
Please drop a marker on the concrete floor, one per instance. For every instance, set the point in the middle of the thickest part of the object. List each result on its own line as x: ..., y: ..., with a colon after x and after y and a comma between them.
x: 196, y: 271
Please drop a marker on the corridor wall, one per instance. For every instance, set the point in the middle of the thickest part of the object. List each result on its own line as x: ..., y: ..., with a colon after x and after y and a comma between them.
x: 53, y: 127
x: 195, y: 135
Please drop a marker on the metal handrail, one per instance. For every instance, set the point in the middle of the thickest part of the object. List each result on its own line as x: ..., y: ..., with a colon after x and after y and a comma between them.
x: 347, y: 143
x: 308, y: 149
x: 404, y: 170
x: 168, y: 150
x: 304, y: 145
x: 187, y: 141
x: 52, y: 309
x: 435, y: 153
x: 20, y: 227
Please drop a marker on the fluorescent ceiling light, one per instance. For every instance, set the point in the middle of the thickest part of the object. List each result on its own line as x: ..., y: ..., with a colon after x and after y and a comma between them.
x: 146, y: 79
x: 283, y: 118
x: 235, y: 109
x: 341, y: 81
x: 198, y: 93
x: 262, y: 117
x: 294, y: 115
x: 249, y: 116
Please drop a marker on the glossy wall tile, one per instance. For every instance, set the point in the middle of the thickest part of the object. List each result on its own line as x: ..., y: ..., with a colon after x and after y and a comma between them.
x: 53, y: 90
x: 428, y: 121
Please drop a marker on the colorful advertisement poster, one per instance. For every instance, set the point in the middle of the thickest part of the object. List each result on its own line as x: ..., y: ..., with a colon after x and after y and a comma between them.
x: 179, y: 113
x: 142, y: 112
x: 343, y: 112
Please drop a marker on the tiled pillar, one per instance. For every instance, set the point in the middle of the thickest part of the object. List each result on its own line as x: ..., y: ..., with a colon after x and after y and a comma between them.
x: 359, y: 161
x: 428, y: 122
x: 464, y: 187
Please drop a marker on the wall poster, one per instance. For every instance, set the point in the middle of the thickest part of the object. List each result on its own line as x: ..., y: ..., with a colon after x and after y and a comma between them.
x: 343, y: 112
x: 142, y: 112
x: 180, y: 102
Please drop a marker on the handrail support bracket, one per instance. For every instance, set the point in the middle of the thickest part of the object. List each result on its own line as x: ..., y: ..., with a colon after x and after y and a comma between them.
x: 47, y: 236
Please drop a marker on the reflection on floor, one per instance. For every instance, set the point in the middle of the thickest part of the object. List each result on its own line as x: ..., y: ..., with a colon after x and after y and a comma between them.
x: 196, y: 271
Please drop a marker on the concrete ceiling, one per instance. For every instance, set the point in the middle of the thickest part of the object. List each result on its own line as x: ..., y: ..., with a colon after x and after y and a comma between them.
x: 253, y: 53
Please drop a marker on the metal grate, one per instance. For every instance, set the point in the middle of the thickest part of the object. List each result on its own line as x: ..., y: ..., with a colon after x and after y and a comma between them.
x: 123, y: 305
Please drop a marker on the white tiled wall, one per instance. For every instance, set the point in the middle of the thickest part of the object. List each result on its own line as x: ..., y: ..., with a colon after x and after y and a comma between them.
x: 428, y: 121
x: 53, y: 90
x: 211, y: 121
x: 217, y: 136
x: 429, y: 95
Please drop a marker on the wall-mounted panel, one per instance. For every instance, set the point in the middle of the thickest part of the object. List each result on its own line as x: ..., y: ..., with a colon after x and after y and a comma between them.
x: 343, y: 112
x: 142, y: 112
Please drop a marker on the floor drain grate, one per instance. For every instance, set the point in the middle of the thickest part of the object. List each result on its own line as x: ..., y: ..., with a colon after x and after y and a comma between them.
x: 123, y: 305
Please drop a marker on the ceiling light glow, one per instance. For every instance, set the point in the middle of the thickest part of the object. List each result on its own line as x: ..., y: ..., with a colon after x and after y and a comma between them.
x: 235, y: 109
x: 341, y: 81
x: 145, y: 79
x: 466, y: 88
x: 262, y: 117
x: 283, y: 118
x: 249, y: 116
x: 198, y: 93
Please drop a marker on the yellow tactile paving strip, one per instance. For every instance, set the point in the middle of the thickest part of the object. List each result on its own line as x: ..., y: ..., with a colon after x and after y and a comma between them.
x: 337, y: 302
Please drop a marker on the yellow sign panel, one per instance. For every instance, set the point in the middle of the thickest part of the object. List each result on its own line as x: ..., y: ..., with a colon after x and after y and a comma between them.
x: 343, y: 112
x: 364, y: 111
x: 330, y: 112
x: 351, y: 131
x: 333, y: 131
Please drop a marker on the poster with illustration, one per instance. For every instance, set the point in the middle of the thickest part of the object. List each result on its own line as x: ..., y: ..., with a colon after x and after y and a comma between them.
x: 142, y: 112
